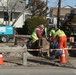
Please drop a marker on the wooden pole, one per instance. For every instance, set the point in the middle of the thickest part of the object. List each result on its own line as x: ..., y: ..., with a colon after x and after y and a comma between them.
x: 58, y: 12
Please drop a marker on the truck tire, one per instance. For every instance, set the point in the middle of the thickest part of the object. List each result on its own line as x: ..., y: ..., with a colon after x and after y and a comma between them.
x: 4, y: 39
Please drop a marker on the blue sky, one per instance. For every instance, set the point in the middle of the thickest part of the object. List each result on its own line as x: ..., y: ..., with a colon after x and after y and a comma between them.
x: 53, y: 3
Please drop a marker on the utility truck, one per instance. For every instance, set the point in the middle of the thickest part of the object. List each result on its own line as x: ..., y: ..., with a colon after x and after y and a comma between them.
x: 6, y: 33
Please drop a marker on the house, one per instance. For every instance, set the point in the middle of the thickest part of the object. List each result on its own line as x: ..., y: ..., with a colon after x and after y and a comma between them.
x: 16, y: 11
x: 63, y: 11
x: 52, y: 17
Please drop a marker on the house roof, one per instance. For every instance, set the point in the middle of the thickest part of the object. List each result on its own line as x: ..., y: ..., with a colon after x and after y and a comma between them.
x: 67, y: 6
x: 17, y: 5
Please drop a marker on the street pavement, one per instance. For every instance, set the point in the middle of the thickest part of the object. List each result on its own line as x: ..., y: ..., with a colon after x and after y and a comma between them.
x: 13, y: 59
x: 37, y: 66
x: 37, y: 71
x: 72, y: 60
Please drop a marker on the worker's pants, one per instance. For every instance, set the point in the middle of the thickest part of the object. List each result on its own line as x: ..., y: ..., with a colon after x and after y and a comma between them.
x: 62, y: 41
x: 54, y: 45
x: 34, y: 43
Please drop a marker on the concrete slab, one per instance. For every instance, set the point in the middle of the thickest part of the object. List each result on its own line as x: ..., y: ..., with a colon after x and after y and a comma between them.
x: 72, y: 60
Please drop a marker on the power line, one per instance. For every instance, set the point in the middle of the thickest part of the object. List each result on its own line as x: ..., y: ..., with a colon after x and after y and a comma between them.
x: 53, y: 4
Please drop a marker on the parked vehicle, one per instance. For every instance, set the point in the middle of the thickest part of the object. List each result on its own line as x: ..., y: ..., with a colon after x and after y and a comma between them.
x: 6, y: 33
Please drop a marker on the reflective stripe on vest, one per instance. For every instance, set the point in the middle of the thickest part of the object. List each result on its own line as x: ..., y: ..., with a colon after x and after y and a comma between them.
x: 60, y: 33
x: 34, y: 35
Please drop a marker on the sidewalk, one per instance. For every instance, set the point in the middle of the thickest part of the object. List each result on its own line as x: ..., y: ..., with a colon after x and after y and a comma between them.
x: 72, y: 60
x: 36, y: 61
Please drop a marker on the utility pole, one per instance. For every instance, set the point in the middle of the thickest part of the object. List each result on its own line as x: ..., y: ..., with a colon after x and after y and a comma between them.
x: 58, y: 12
x: 29, y: 1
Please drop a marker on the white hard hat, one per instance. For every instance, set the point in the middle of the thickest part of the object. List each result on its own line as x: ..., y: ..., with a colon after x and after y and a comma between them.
x: 42, y: 26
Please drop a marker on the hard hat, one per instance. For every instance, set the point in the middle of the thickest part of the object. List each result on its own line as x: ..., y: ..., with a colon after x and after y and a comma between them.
x: 42, y: 26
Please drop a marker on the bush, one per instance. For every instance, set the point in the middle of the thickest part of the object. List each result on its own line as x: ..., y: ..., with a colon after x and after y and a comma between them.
x: 31, y: 23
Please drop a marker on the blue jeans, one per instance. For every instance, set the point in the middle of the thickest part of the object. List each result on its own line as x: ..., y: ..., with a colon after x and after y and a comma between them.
x: 55, y: 45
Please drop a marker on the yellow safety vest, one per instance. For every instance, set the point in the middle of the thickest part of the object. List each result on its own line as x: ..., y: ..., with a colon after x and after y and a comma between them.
x: 60, y: 33
x: 52, y: 32
x: 34, y: 35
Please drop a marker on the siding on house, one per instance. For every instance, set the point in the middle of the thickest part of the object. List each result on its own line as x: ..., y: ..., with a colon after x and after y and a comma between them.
x: 18, y: 8
x: 62, y: 11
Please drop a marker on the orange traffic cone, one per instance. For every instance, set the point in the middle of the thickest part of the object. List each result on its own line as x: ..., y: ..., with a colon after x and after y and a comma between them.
x: 1, y: 59
x: 63, y: 57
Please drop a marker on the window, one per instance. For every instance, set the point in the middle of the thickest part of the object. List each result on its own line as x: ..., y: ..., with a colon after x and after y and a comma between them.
x: 50, y: 21
x: 6, y: 17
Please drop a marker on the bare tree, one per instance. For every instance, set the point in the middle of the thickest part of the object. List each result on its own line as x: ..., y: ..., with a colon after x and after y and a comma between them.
x: 10, y: 7
x: 37, y: 7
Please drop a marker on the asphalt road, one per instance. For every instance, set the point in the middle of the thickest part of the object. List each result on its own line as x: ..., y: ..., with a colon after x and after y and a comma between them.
x: 37, y: 71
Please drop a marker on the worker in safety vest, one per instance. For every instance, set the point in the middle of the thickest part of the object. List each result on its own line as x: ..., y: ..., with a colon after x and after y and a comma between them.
x: 62, y: 38
x: 53, y: 44
x: 52, y: 33
x: 36, y: 35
